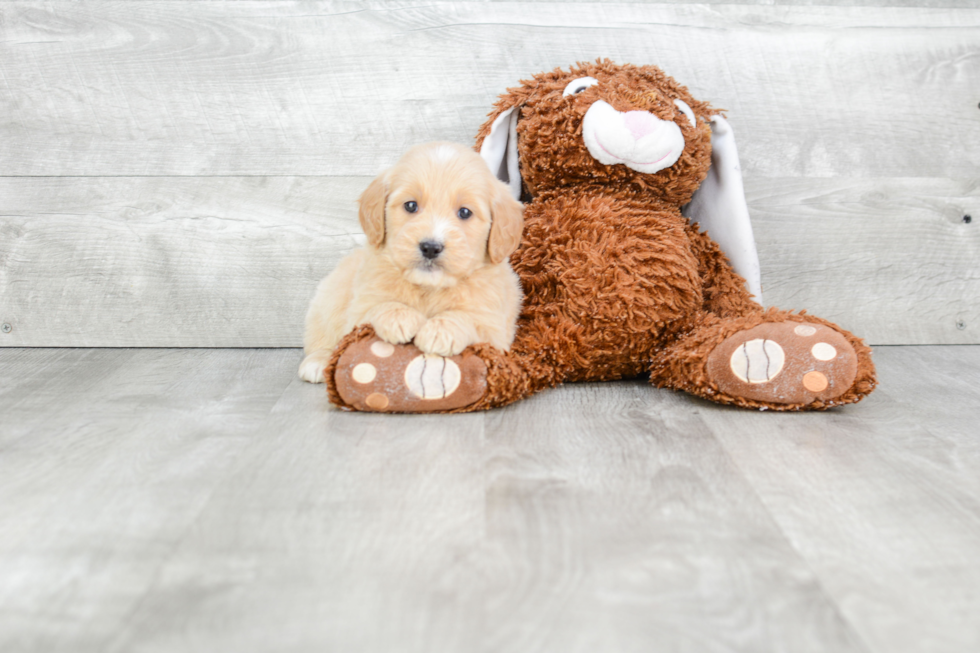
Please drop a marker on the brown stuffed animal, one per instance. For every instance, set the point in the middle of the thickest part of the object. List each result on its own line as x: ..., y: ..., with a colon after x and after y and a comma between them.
x: 618, y: 283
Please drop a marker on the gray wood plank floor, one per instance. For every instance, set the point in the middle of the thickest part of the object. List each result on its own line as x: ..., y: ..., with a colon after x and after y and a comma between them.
x: 207, y: 500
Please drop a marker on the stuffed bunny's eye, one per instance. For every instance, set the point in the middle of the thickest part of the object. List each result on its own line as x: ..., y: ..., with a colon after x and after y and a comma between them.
x: 578, y: 85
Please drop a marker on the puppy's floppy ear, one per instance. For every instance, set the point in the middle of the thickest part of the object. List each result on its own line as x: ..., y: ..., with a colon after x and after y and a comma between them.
x: 506, y: 224
x: 371, y: 210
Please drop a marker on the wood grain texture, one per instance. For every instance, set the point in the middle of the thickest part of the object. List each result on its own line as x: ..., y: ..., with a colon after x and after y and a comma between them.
x: 952, y: 4
x: 613, y: 506
x: 375, y: 540
x: 104, y: 468
x: 856, y: 186
x: 324, y: 88
x: 211, y: 262
x: 192, y: 262
x: 161, y: 500
x: 891, y: 259
x: 891, y: 488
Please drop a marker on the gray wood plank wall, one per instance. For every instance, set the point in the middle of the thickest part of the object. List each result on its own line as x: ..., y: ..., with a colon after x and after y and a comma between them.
x: 182, y: 173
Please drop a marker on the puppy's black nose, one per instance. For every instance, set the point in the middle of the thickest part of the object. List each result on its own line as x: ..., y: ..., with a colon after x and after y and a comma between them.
x: 430, y: 249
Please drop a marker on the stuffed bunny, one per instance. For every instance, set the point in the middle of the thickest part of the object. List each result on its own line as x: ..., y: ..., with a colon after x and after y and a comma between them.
x: 637, y: 258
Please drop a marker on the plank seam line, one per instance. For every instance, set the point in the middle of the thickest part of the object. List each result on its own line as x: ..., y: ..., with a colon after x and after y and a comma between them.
x: 789, y: 542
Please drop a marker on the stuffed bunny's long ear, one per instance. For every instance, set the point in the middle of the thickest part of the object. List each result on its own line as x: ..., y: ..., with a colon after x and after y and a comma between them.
x: 719, y: 207
x: 499, y: 150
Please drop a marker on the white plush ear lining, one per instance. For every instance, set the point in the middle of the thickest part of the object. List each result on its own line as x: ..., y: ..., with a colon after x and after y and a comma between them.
x: 719, y: 207
x: 499, y: 150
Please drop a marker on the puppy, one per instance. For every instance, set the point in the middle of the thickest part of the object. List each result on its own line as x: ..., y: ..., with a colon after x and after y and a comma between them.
x: 440, y: 229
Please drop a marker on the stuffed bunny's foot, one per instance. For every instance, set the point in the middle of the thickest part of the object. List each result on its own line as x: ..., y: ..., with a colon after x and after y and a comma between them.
x: 784, y: 363
x: 376, y: 376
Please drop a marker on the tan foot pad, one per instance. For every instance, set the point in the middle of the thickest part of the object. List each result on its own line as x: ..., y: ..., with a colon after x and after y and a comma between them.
x: 373, y: 375
x: 784, y: 363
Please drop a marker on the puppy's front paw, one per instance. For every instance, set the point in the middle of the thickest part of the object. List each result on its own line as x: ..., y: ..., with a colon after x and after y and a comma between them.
x: 398, y: 325
x: 444, y: 337
x: 311, y: 369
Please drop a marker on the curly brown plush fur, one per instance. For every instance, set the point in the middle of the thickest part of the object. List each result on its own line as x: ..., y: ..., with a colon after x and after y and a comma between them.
x: 617, y: 282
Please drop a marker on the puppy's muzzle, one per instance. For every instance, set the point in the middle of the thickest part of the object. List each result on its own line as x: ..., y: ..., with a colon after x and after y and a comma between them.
x: 431, y: 249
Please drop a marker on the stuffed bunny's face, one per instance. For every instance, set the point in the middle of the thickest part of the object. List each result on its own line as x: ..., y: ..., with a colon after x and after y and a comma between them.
x: 605, y: 123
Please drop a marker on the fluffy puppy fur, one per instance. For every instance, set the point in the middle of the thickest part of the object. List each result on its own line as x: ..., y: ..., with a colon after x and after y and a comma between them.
x: 440, y: 230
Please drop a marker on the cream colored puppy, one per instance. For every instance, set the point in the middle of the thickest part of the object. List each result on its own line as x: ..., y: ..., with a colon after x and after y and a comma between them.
x: 440, y: 230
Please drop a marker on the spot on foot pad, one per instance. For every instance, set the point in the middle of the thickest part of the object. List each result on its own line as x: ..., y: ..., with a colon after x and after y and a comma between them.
x: 757, y: 361
x: 364, y: 373
x: 804, y: 330
x: 815, y: 382
x: 432, y: 377
x: 377, y: 401
x: 823, y: 352
x: 382, y: 349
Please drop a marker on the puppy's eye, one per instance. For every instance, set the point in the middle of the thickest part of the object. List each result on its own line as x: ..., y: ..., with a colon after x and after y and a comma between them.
x: 464, y: 213
x: 411, y: 207
x: 576, y: 86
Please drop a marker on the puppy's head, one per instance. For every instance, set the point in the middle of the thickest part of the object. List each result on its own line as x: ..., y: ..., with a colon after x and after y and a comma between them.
x: 439, y: 215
